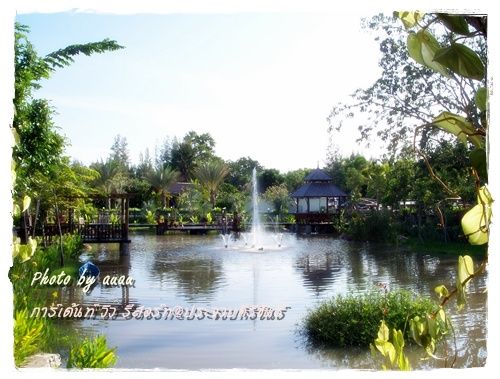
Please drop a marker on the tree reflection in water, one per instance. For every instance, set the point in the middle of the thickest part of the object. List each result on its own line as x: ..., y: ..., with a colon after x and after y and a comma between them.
x: 319, y: 270
x: 197, y: 279
x: 177, y: 269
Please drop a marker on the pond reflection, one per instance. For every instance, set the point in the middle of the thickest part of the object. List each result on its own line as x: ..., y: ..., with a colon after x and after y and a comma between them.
x: 196, y: 279
x: 197, y: 271
x: 319, y: 270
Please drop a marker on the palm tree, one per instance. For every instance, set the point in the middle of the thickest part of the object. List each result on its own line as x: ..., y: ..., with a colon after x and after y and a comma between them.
x: 211, y: 174
x: 104, y: 183
x: 161, y: 180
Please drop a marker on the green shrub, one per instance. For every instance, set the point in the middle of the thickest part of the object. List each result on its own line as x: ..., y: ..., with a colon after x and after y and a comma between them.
x: 73, y: 246
x: 49, y: 257
x: 32, y: 335
x: 150, y: 217
x: 376, y: 226
x: 92, y: 354
x: 29, y: 335
x: 354, y: 320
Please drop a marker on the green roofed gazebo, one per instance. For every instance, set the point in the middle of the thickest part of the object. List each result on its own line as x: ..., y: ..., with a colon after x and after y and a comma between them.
x: 318, y: 198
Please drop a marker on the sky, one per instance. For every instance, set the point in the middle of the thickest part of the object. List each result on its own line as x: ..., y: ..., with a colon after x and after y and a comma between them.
x: 262, y: 84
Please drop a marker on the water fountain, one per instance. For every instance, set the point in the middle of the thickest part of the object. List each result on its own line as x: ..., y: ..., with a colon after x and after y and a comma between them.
x: 278, y: 237
x: 256, y: 226
x: 225, y: 239
x: 257, y: 239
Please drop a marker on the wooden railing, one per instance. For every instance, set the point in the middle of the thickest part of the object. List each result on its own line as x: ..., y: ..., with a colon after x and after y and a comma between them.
x: 307, y: 218
x: 88, y: 232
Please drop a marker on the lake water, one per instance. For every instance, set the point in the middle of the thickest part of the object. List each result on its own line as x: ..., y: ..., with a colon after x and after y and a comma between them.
x: 197, y: 271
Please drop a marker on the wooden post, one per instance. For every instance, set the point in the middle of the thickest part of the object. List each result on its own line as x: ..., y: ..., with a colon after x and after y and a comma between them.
x: 122, y: 210
x: 37, y: 213
x: 308, y: 211
x: 70, y: 219
x: 125, y: 229
x: 25, y: 230
x: 122, y: 218
x: 124, y: 249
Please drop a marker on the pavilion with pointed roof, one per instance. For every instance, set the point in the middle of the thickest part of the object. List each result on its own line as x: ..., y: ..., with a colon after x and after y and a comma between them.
x: 318, y: 198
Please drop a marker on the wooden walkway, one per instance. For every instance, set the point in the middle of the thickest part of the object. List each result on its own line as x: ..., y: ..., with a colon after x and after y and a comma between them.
x: 119, y: 233
x: 108, y: 226
x: 192, y: 228
x: 203, y: 228
x: 90, y: 233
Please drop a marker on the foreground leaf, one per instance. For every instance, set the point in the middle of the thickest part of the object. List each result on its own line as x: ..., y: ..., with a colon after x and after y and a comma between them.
x: 481, y: 98
x: 461, y: 60
x: 442, y: 315
x: 484, y: 196
x: 383, y: 332
x: 399, y: 341
x: 477, y: 159
x: 16, y: 247
x: 26, y: 202
x: 457, y: 24
x: 386, y: 349
x: 461, y: 299
x: 409, y: 19
x: 442, y: 291
x: 414, y: 48
x: 430, y: 46
x: 417, y: 330
x: 475, y: 224
x: 460, y: 127
x: 465, y: 268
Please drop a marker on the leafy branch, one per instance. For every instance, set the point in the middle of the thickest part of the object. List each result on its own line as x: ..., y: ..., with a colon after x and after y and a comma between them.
x: 64, y: 57
x: 446, y: 295
x: 462, y: 65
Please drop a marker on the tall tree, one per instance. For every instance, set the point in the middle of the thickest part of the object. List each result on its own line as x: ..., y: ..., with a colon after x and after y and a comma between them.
x: 119, y: 152
x: 107, y: 171
x: 163, y: 153
x: 240, y: 172
x: 376, y: 179
x: 231, y: 198
x: 183, y: 158
x: 294, y: 179
x: 211, y: 174
x: 269, y: 177
x: 194, y: 149
x: 41, y: 169
x: 348, y: 173
x: 399, y: 181
x: 202, y: 144
x: 145, y: 165
x: 279, y: 197
x: 38, y: 153
x: 162, y: 180
x: 407, y: 94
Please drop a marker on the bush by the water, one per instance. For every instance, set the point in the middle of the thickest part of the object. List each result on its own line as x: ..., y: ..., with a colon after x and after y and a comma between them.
x: 376, y: 226
x: 29, y: 335
x: 92, y: 353
x: 354, y: 320
x: 33, y: 335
